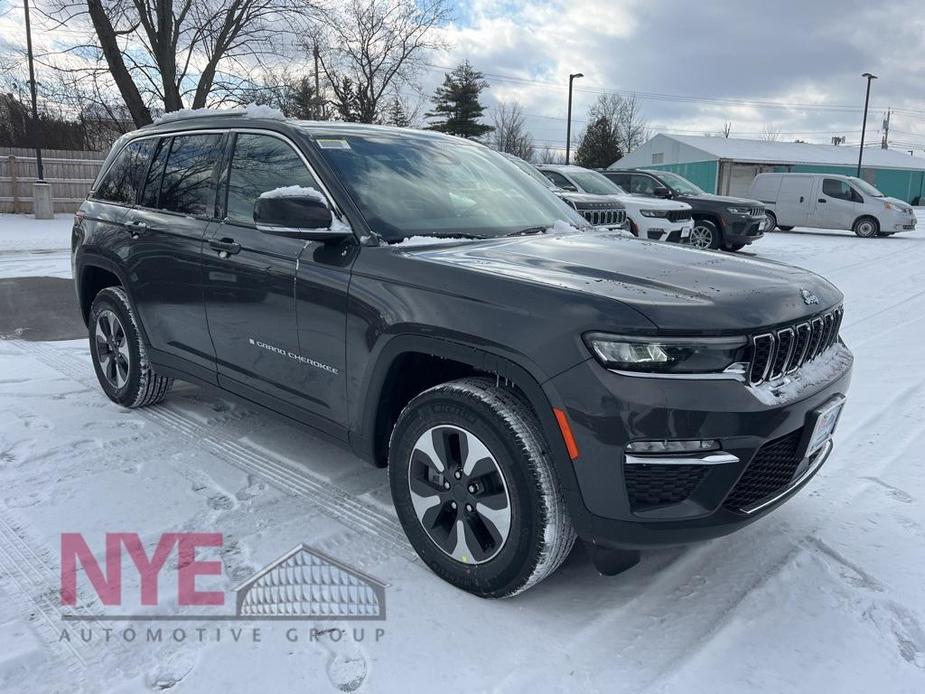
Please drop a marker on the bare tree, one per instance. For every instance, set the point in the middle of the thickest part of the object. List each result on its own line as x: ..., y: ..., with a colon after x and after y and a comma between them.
x: 174, y: 53
x: 632, y: 128
x: 369, y: 48
x: 771, y: 133
x: 727, y: 129
x: 510, y: 134
x: 550, y: 155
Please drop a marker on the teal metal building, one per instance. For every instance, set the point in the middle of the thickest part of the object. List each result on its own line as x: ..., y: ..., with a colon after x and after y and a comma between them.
x: 727, y: 166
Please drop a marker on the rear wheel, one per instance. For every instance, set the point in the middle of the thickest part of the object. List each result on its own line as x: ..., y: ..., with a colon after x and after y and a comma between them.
x: 704, y: 234
x: 866, y: 227
x: 475, y: 490
x: 119, y: 355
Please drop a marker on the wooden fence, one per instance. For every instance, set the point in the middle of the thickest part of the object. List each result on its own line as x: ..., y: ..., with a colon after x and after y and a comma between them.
x: 70, y: 173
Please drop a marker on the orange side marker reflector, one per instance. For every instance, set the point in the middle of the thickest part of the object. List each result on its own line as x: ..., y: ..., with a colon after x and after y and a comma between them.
x: 566, y: 430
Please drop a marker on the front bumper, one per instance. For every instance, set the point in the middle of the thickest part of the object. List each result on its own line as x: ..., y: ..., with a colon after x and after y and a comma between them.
x: 744, y: 229
x: 659, y: 229
x: 608, y: 410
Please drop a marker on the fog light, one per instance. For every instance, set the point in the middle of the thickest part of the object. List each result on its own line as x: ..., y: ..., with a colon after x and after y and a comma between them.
x: 672, y: 446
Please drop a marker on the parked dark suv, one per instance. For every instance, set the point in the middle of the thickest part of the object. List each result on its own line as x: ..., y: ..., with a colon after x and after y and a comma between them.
x: 719, y: 221
x: 414, y: 297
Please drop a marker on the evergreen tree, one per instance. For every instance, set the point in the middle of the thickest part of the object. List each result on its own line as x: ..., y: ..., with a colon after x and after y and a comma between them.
x: 600, y: 144
x: 456, y: 103
x: 397, y: 115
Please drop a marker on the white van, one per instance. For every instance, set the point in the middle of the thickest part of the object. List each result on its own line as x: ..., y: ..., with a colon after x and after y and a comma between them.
x: 830, y: 201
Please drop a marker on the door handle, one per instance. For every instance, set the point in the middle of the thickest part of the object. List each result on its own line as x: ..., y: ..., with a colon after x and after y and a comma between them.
x: 822, y: 200
x: 225, y: 247
x: 138, y: 228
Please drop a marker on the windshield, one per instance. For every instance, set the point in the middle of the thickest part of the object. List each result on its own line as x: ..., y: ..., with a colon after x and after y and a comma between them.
x: 596, y: 183
x: 679, y: 183
x: 866, y: 187
x: 531, y: 171
x: 414, y: 185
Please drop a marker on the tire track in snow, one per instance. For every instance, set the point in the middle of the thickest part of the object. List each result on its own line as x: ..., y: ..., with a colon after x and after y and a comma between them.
x: 330, y: 499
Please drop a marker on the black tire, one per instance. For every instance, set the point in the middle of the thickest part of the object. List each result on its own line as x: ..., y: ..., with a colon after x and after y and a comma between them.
x: 772, y: 220
x: 733, y: 247
x: 125, y: 376
x: 705, y: 235
x: 785, y: 228
x: 539, y: 532
x: 866, y: 227
x: 884, y: 234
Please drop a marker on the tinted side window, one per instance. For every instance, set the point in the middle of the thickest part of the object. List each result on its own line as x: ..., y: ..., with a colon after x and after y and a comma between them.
x: 152, y: 183
x: 124, y: 176
x: 261, y: 163
x: 621, y: 180
x: 559, y: 180
x: 642, y: 185
x: 836, y: 189
x: 188, y: 184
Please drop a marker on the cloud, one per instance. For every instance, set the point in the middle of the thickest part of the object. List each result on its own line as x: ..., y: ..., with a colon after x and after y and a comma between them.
x: 806, y: 55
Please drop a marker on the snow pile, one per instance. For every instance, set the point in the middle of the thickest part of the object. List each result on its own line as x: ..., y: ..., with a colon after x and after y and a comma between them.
x: 293, y: 192
x: 248, y: 111
x: 819, y: 371
x: 561, y: 227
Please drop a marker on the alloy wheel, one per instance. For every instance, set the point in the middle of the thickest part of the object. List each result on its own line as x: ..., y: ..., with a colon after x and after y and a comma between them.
x: 701, y: 237
x: 459, y: 494
x: 112, y: 348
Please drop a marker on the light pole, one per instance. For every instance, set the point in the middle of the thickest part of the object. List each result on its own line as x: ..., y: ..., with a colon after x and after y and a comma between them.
x: 568, y: 127
x: 43, y: 206
x: 869, y: 77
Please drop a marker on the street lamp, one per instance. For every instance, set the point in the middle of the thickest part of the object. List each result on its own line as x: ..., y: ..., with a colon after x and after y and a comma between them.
x: 42, y: 205
x: 869, y: 77
x: 568, y: 127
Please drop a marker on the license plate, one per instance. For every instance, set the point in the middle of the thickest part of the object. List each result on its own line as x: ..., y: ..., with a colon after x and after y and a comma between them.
x: 686, y: 232
x: 826, y: 421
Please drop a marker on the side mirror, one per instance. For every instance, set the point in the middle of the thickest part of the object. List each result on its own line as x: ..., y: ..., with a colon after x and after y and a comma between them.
x: 298, y: 215
x: 661, y: 192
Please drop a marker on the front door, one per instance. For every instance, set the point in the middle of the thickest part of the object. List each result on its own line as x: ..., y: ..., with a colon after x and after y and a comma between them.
x: 251, y: 285
x: 836, y: 205
x: 167, y: 226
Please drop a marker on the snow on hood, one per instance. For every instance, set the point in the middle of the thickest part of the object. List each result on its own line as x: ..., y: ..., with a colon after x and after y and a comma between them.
x: 652, y: 203
x: 247, y: 111
x: 559, y: 227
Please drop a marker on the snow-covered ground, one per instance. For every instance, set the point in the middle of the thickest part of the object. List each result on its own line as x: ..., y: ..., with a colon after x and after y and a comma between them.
x: 826, y: 594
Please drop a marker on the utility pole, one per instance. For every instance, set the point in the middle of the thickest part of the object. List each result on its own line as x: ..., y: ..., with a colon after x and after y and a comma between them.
x: 317, y: 109
x: 42, y: 202
x: 869, y: 77
x: 568, y: 127
x: 885, y: 142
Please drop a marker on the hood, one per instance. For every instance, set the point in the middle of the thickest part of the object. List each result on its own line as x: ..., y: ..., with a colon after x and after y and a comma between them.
x: 726, y: 200
x: 588, y: 198
x: 677, y: 288
x: 652, y: 203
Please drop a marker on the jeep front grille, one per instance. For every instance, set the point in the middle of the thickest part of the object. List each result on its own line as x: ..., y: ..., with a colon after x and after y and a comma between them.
x: 783, y: 351
x: 756, y: 211
x: 603, y: 216
x: 679, y: 215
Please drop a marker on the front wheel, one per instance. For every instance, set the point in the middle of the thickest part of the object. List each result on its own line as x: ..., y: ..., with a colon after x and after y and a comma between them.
x: 475, y: 490
x: 772, y: 221
x: 866, y: 227
x: 704, y: 235
x: 733, y: 247
x: 119, y: 355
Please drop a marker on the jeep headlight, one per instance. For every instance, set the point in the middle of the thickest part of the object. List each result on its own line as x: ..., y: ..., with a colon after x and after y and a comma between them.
x: 740, y: 210
x: 681, y: 355
x: 654, y: 213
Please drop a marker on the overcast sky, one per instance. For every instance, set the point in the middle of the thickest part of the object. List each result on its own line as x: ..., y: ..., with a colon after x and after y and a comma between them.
x: 807, y: 53
x: 794, y: 65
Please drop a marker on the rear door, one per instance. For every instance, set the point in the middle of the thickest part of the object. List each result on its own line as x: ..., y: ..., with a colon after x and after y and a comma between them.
x: 168, y: 225
x: 251, y: 288
x: 793, y: 200
x: 836, y: 205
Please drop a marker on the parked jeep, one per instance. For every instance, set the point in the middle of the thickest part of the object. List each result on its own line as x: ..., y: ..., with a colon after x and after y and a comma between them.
x: 598, y: 210
x: 413, y: 297
x: 719, y: 221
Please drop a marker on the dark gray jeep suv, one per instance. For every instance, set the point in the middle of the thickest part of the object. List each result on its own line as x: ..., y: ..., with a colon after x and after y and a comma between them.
x: 414, y: 297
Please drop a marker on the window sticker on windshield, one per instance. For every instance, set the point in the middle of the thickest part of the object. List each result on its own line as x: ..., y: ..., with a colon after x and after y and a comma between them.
x: 333, y: 144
